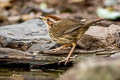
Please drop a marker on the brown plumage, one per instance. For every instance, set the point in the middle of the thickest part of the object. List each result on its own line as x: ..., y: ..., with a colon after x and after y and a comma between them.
x: 66, y: 31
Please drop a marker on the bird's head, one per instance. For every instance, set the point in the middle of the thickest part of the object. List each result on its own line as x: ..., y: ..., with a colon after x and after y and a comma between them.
x: 50, y: 20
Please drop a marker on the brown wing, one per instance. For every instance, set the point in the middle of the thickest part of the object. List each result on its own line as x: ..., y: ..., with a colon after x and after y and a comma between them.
x: 65, y: 27
x: 72, y: 28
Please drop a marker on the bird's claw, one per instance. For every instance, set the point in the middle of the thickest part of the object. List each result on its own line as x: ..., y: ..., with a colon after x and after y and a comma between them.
x: 66, y: 60
x: 55, y: 50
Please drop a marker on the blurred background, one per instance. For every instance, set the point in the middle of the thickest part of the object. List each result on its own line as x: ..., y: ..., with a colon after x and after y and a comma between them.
x: 17, y: 11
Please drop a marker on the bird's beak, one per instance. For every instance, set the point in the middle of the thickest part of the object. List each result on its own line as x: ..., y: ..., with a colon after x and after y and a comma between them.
x: 41, y: 17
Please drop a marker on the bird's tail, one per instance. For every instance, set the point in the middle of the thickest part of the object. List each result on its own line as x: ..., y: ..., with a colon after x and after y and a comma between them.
x: 87, y: 25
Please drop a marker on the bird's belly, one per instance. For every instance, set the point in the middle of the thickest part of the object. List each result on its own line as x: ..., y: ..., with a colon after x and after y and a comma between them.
x: 62, y: 40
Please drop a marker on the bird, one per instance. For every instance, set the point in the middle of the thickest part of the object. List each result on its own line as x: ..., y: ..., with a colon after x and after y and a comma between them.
x: 66, y: 31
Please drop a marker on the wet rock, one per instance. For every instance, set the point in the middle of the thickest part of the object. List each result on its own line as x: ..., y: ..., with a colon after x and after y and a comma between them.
x: 94, y: 38
x: 100, y: 37
x: 94, y: 69
x: 88, y: 42
x: 25, y: 34
x: 113, y: 38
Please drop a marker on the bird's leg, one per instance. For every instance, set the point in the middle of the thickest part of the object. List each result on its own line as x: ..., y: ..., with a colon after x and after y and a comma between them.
x: 59, y: 48
x: 70, y: 53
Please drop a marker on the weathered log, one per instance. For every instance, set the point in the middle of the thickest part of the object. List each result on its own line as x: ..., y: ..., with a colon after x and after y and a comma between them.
x: 12, y: 55
x: 45, y: 57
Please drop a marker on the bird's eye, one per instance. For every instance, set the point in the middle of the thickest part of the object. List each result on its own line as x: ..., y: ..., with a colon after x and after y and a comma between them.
x: 48, y: 19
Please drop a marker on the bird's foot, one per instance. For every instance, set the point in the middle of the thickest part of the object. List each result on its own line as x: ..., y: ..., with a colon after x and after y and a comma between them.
x: 56, y: 49
x: 59, y: 48
x: 66, y: 60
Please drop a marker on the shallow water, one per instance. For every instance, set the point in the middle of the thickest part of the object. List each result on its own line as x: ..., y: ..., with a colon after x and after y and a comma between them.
x: 6, y: 74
